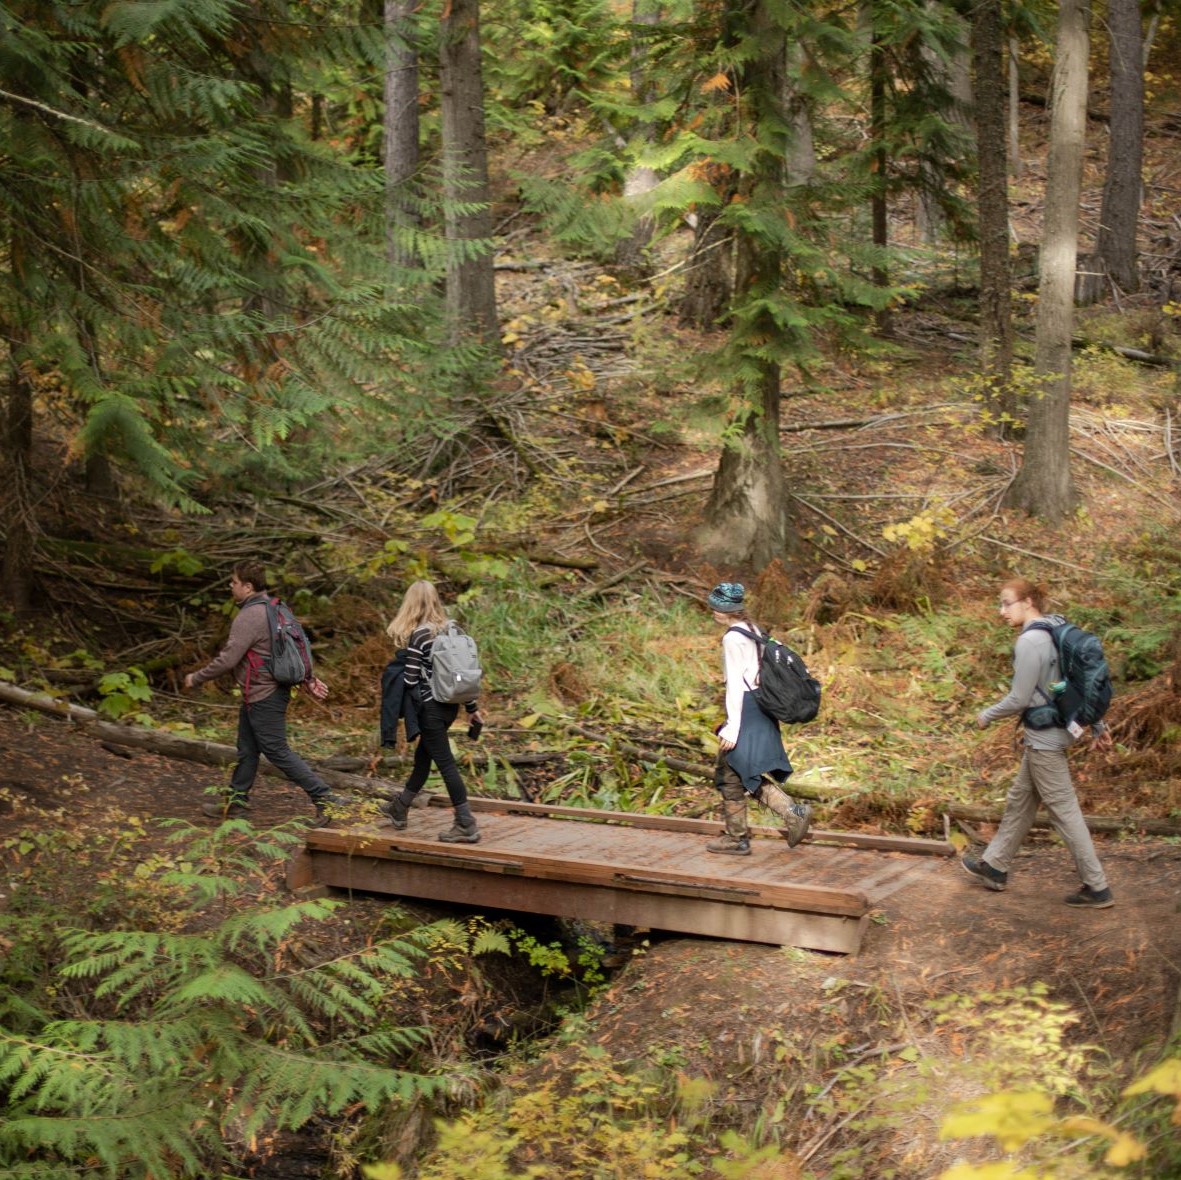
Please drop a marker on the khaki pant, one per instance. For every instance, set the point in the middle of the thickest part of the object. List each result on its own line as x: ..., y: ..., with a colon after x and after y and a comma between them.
x: 1044, y: 777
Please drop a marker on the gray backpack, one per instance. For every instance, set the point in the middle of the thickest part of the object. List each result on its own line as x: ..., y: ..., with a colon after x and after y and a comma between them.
x: 455, y: 666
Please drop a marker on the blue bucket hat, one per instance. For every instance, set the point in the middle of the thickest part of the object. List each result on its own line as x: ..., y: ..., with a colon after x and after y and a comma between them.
x: 727, y: 597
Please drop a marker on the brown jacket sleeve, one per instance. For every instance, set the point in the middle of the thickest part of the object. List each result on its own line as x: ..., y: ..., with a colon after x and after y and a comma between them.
x: 248, y: 632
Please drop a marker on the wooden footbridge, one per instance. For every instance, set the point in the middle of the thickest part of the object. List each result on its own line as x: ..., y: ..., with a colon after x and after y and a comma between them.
x: 636, y: 870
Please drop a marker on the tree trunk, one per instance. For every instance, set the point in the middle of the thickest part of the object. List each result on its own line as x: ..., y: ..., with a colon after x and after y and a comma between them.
x: 471, y: 290
x: 1043, y: 485
x: 801, y: 145
x: 400, y: 132
x: 1120, y: 216
x: 709, y: 284
x: 1015, y: 165
x: 17, y: 496
x: 630, y: 254
x: 746, y: 515
x: 996, y: 324
x: 954, y: 76
x: 877, y: 131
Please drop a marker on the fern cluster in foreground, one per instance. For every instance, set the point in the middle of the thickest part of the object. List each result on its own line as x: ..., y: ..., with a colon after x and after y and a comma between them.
x: 151, y: 1052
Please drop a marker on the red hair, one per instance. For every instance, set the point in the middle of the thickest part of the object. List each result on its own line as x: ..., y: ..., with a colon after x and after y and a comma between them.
x: 1023, y: 589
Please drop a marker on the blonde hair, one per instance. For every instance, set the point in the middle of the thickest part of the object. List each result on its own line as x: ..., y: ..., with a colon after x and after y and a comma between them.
x: 421, y: 607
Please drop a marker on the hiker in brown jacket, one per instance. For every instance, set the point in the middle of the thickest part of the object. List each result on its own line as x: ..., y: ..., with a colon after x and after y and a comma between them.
x: 262, y: 716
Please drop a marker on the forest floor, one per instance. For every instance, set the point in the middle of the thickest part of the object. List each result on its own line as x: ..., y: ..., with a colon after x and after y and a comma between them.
x: 757, y: 1023
x: 765, y: 1023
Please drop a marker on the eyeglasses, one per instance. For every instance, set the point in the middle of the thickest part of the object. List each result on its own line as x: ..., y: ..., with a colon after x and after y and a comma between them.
x: 1005, y: 603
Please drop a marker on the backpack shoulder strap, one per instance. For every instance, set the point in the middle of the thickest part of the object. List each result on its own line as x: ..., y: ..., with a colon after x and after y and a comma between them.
x: 761, y: 640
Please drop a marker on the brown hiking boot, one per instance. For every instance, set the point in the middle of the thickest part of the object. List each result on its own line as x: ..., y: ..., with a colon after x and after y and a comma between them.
x: 730, y: 845
x: 796, y: 823
x: 225, y: 809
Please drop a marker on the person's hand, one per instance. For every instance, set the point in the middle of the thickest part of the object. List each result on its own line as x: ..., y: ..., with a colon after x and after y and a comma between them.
x: 188, y: 680
x: 724, y: 744
x: 316, y: 688
x: 1101, y: 740
x: 981, y: 723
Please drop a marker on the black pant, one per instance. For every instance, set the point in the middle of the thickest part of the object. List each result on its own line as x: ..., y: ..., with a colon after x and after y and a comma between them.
x: 434, y: 720
x: 262, y: 729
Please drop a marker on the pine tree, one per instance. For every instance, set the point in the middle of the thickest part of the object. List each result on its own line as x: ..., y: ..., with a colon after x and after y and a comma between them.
x: 189, y: 274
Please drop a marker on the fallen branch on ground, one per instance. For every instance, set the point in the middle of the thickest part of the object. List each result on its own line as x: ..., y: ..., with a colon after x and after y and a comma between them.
x: 1095, y: 823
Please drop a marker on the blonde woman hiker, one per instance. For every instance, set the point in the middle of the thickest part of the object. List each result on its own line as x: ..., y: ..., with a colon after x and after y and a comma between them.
x: 419, y: 620
x: 750, y: 748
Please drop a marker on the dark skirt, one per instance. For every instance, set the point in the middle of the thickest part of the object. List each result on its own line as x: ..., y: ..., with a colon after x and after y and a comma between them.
x: 760, y: 747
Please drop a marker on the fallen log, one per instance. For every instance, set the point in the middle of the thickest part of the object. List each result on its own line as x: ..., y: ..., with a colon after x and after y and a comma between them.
x: 652, y: 757
x: 1096, y: 823
x: 171, y: 745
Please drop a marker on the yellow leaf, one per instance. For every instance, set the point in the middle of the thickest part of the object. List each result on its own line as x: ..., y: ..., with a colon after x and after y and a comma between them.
x: 1125, y: 1150
x: 530, y: 721
x: 1012, y: 1117
x: 717, y: 82
x: 1165, y: 1079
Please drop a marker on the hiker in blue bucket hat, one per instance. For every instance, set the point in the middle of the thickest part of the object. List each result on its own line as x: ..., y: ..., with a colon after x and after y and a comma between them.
x: 751, y: 759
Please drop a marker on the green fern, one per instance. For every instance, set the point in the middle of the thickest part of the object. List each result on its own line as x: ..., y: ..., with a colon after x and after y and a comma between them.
x: 150, y: 1052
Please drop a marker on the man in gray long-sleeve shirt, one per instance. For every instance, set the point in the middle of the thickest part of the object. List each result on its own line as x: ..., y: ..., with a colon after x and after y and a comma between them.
x: 262, y: 716
x: 1044, y: 775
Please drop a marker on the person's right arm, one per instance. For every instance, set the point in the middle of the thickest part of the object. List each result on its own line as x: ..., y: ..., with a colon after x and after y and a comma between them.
x: 1027, y: 666
x: 735, y: 660
x: 242, y: 632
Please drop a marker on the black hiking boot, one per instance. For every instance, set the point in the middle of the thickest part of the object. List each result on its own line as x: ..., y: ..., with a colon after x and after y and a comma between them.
x: 1091, y: 899
x: 978, y: 867
x: 396, y: 809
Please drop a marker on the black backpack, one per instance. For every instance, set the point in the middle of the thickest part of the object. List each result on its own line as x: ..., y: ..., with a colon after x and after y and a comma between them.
x: 291, y: 653
x: 785, y: 692
x: 1084, y: 673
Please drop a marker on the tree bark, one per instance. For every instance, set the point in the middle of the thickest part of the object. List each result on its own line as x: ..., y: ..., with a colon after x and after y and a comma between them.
x: 709, y: 282
x: 996, y: 322
x: 879, y: 213
x: 1043, y: 485
x: 471, y: 289
x: 630, y: 254
x: 400, y: 132
x: 1015, y: 165
x: 746, y: 516
x: 1115, y: 251
x: 17, y: 497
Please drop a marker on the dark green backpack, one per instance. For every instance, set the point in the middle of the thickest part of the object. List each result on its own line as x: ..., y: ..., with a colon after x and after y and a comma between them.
x: 1084, y: 676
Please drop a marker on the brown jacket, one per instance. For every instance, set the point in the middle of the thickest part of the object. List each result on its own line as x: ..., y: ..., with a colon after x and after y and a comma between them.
x: 245, y: 653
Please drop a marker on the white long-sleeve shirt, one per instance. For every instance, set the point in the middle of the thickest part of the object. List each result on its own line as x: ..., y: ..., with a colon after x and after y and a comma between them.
x: 740, y: 662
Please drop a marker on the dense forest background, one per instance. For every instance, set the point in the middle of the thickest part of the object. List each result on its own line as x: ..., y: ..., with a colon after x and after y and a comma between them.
x: 576, y: 307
